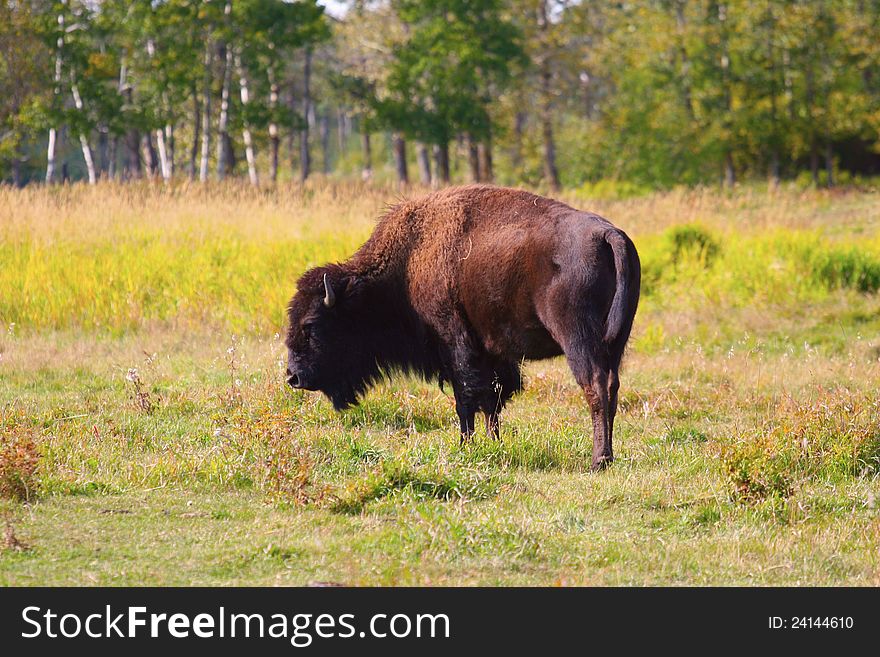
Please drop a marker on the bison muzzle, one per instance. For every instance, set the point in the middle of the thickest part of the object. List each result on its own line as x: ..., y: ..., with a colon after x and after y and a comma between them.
x: 462, y: 286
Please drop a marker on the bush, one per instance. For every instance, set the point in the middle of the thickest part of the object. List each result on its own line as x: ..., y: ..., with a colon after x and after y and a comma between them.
x: 834, y: 438
x: 691, y: 241
x: 846, y: 268
x: 19, y: 460
x: 263, y: 449
x: 689, y: 249
x: 290, y: 472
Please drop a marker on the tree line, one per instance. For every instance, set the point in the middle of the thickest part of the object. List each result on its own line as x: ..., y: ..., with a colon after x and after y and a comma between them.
x: 543, y: 92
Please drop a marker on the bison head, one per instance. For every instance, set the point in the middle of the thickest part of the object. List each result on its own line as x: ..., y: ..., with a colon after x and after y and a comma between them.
x: 322, y: 336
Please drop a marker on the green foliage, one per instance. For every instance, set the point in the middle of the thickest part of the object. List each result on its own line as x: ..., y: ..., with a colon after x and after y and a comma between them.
x: 691, y: 241
x: 443, y: 76
x: 24, y: 79
x: 846, y: 268
x: 709, y: 91
x: 831, y: 438
x: 689, y: 260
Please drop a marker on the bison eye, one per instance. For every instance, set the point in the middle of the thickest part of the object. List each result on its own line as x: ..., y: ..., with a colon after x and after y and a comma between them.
x: 307, y: 331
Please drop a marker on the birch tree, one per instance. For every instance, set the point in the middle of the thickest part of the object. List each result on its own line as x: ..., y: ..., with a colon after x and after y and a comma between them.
x: 275, y: 32
x: 227, y: 48
x: 206, y: 113
x: 246, y: 130
x: 83, y: 137
x: 59, y: 64
x: 442, y: 75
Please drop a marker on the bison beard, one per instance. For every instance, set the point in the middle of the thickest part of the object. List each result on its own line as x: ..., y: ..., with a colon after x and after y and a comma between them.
x: 462, y: 286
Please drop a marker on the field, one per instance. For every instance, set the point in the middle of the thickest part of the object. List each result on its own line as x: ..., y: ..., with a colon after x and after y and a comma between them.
x: 147, y: 437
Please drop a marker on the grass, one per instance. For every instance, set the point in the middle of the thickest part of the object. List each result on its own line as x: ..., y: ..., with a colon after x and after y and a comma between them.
x: 146, y: 438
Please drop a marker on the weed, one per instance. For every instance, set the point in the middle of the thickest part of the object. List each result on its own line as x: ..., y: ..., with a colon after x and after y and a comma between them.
x: 11, y: 541
x: 233, y: 392
x: 831, y: 438
x: 140, y: 394
x: 19, y: 461
x: 289, y: 473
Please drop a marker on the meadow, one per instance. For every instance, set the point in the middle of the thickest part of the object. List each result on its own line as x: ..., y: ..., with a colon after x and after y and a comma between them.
x: 146, y: 436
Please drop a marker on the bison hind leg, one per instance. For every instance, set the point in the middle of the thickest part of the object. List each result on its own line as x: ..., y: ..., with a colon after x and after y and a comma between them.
x: 599, y: 383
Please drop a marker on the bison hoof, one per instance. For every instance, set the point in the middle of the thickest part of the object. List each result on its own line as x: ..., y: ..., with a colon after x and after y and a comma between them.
x: 601, y: 463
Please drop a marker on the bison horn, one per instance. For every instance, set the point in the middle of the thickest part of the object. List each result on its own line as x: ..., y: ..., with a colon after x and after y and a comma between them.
x: 329, y: 296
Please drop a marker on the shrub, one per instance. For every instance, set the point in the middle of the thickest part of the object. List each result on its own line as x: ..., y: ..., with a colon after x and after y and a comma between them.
x: 834, y: 438
x: 262, y: 448
x: 19, y: 460
x: 846, y: 268
x: 290, y: 472
x: 691, y: 241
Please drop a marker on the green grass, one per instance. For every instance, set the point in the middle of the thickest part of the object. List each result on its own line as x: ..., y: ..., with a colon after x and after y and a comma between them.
x: 747, y: 441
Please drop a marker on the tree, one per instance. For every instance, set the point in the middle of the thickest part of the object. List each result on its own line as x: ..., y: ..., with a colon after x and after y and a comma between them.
x: 553, y: 92
x: 25, y: 76
x: 441, y: 78
x: 275, y: 32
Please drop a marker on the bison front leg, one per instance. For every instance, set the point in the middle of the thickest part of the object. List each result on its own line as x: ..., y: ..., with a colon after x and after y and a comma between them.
x: 465, y: 369
x: 466, y: 410
x: 506, y: 381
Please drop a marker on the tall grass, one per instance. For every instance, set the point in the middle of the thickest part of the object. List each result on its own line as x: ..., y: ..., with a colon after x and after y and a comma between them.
x: 831, y: 438
x: 690, y: 264
x: 116, y: 258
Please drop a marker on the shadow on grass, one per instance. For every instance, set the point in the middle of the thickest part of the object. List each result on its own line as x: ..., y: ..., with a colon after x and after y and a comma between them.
x: 531, y: 448
x: 426, y: 482
x: 387, y: 413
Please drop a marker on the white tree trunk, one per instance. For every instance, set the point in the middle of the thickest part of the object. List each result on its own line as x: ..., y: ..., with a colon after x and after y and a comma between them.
x: 164, y: 161
x: 223, y: 124
x: 170, y: 147
x: 53, y: 132
x: 83, y: 140
x: 50, y: 157
x: 274, y: 136
x: 206, y: 118
x: 87, y: 156
x: 246, y: 132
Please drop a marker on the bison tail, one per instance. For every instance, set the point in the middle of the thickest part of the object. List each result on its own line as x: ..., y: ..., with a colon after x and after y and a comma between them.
x: 626, y: 294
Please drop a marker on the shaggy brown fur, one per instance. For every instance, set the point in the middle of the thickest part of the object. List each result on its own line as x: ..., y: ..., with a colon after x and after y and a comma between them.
x: 462, y: 286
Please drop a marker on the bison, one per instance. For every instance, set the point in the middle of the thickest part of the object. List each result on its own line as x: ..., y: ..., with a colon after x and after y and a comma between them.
x: 462, y: 286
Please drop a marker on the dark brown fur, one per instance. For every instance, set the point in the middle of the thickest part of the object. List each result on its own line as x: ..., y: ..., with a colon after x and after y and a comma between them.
x: 462, y: 286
